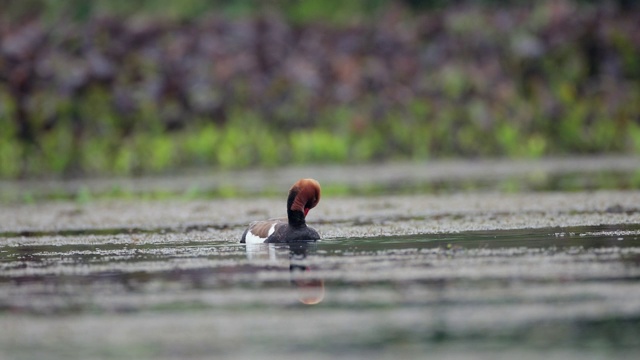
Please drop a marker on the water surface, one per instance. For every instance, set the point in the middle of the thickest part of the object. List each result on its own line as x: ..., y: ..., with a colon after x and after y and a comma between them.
x: 564, y: 292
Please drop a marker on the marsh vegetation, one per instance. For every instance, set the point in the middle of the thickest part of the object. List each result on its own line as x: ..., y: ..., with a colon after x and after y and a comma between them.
x: 96, y: 89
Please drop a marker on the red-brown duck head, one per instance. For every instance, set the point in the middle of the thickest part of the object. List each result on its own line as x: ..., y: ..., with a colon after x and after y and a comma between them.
x: 304, y: 195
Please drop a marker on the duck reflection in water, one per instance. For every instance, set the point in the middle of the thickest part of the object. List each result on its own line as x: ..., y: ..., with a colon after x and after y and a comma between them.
x: 310, y: 289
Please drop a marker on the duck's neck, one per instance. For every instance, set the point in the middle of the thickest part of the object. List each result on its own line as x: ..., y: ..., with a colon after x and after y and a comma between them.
x: 296, y: 217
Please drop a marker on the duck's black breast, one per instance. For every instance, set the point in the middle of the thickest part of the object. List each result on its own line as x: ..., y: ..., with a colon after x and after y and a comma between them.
x: 287, y: 233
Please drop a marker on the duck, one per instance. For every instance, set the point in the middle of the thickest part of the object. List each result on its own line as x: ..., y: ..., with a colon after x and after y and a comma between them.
x: 304, y: 195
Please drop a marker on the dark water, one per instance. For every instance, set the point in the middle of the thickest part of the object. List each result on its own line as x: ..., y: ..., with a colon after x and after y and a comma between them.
x: 564, y: 292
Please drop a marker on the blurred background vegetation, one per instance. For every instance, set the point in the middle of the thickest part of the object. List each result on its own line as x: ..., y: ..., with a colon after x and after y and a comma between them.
x: 120, y: 87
